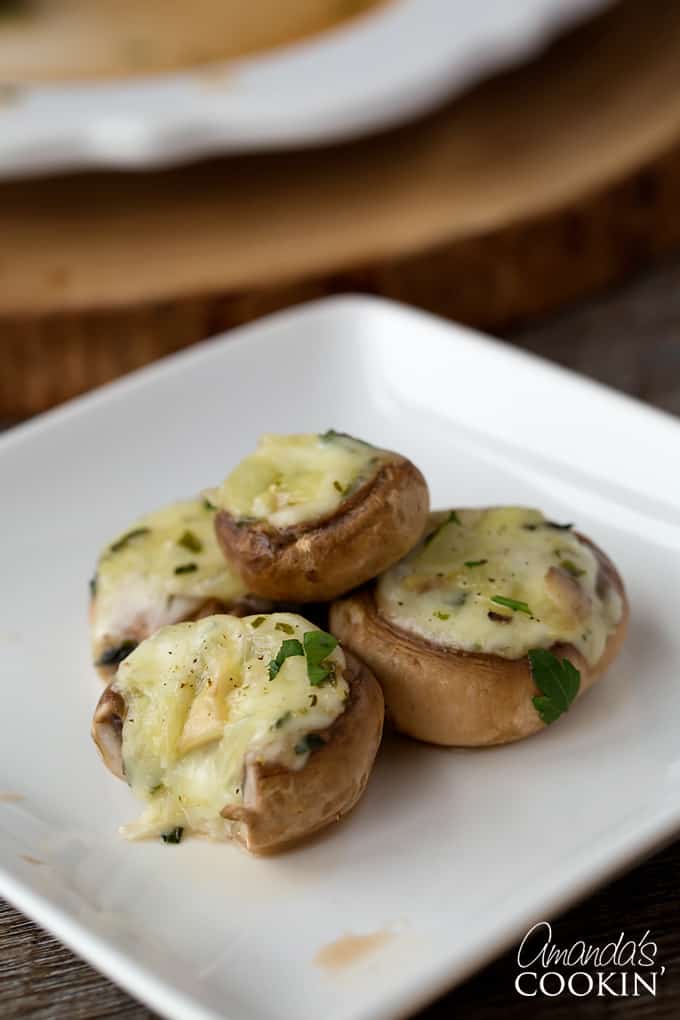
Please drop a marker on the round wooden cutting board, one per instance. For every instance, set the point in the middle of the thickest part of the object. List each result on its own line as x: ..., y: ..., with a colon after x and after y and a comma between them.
x: 538, y: 185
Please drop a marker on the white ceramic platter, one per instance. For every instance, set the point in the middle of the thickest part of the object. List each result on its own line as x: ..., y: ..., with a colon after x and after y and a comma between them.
x: 372, y: 72
x: 452, y: 853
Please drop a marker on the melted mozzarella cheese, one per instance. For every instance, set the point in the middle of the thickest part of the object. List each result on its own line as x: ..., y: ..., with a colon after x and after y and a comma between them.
x: 445, y: 590
x: 292, y: 479
x: 201, y: 705
x: 161, y: 570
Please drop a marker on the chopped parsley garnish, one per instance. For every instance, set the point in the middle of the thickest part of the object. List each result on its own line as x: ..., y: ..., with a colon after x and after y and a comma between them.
x: 558, y: 681
x: 475, y: 563
x: 309, y: 743
x: 453, y: 518
x: 442, y: 616
x: 288, y: 648
x: 186, y: 568
x: 207, y: 505
x: 516, y: 604
x: 112, y: 656
x: 257, y: 622
x: 571, y: 568
x: 338, y: 487
x: 330, y: 434
x: 123, y: 541
x: 190, y: 541
x: 174, y: 836
x: 285, y: 627
x: 318, y: 646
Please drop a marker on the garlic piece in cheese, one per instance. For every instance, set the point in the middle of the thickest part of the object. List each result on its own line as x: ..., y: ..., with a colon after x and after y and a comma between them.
x: 501, y: 581
x: 203, y: 701
x: 293, y: 479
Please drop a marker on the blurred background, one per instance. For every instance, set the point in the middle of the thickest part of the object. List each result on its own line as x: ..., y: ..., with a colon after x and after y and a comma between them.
x: 168, y: 171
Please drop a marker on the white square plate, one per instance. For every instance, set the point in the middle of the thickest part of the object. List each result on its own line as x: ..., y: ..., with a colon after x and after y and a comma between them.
x: 451, y: 854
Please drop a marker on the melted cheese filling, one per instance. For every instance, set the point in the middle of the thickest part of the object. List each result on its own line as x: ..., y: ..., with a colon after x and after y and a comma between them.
x: 446, y: 589
x: 201, y: 705
x: 161, y: 570
x: 298, y: 478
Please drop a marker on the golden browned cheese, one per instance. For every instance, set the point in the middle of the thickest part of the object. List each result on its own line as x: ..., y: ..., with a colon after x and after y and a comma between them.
x: 501, y: 581
x: 448, y: 632
x: 201, y: 700
x: 73, y: 39
x: 165, y: 567
x: 295, y: 479
x: 308, y: 517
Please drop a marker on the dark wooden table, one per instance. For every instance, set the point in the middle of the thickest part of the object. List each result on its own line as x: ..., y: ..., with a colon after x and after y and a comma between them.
x: 630, y: 339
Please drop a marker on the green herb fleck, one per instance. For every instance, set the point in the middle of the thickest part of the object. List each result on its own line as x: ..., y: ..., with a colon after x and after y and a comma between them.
x: 557, y: 681
x: 285, y: 627
x: 516, y: 604
x: 309, y: 743
x: 207, y: 505
x: 174, y: 836
x: 93, y: 586
x: 442, y: 616
x: 112, y: 656
x: 453, y: 518
x: 257, y: 622
x: 338, y: 487
x: 313, y: 700
x: 288, y: 648
x: 123, y: 541
x: 190, y: 541
x: 571, y: 568
x: 475, y: 563
x: 318, y: 646
x: 186, y: 568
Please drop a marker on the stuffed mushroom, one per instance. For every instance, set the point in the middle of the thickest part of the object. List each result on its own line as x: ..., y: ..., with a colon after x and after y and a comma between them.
x: 308, y: 517
x: 259, y: 729
x: 488, y: 630
x: 165, y: 568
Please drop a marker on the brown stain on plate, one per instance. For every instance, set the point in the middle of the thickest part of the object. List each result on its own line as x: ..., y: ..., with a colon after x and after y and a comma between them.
x: 11, y: 798
x: 31, y: 860
x: 350, y: 949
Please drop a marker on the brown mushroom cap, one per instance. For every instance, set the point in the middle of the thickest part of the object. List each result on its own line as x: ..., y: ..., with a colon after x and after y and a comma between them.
x: 282, y: 806
x: 452, y: 697
x: 320, y: 560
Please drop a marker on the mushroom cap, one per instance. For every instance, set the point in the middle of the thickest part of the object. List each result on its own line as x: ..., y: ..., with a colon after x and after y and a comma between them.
x: 447, y: 696
x: 320, y: 560
x: 282, y: 806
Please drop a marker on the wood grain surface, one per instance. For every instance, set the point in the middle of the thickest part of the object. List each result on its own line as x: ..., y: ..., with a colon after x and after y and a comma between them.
x: 533, y: 189
x: 630, y: 339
